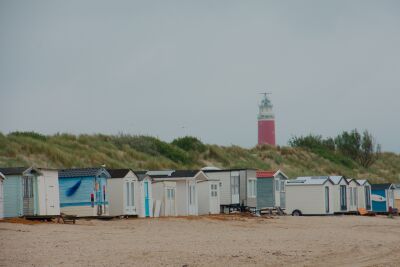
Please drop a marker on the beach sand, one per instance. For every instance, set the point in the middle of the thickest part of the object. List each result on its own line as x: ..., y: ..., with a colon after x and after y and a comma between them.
x: 222, y: 240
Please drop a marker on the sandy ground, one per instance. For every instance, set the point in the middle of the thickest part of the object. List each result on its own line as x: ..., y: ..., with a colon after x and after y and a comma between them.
x: 205, y: 241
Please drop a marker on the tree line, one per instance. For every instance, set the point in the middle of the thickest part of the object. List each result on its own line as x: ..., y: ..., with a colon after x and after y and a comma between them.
x: 361, y: 148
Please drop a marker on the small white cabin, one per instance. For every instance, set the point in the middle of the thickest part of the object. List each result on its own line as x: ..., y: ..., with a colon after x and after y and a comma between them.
x: 164, y: 193
x: 2, y: 177
x: 209, y: 202
x: 310, y: 196
x: 186, y: 188
x: 353, y: 195
x: 124, y: 192
x: 48, y: 192
x: 145, y: 208
x: 341, y: 189
x: 364, y: 194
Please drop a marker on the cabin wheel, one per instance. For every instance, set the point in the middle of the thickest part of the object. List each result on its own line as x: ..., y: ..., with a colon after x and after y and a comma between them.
x: 296, y: 213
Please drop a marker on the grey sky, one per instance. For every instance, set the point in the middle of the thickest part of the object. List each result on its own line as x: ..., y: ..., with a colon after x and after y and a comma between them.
x: 156, y: 67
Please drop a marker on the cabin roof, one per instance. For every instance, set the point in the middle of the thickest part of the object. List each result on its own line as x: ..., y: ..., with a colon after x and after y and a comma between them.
x: 13, y: 170
x: 266, y: 174
x: 177, y: 174
x: 309, y: 180
x: 81, y: 172
x: 118, y: 173
x: 381, y: 186
x: 337, y: 179
x: 2, y: 176
x: 229, y: 170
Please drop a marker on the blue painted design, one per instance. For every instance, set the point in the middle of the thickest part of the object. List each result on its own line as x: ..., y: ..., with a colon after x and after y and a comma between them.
x: 80, y: 204
x: 377, y: 205
x: 73, y: 189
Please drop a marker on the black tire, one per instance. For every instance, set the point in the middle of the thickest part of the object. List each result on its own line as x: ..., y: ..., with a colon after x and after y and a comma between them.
x: 296, y: 213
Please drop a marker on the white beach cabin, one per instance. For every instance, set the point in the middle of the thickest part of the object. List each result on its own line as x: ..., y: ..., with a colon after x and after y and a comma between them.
x: 364, y: 194
x: 186, y: 188
x: 209, y: 192
x: 310, y: 196
x: 123, y: 192
x: 352, y: 199
x: 164, y: 193
x: 2, y: 177
x: 145, y: 208
x: 341, y: 189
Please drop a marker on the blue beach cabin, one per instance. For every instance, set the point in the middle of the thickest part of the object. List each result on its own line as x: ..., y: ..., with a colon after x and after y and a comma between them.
x: 83, y: 192
x: 382, y: 196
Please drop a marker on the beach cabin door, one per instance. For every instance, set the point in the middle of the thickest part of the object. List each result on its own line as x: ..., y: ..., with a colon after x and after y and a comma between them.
x: 28, y: 201
x: 129, y: 190
x: 192, y: 198
x: 146, y: 199
x: 282, y: 195
x: 367, y: 197
x: 1, y: 199
x: 170, y: 201
x: 214, y: 203
x: 343, y: 198
x: 235, y: 187
x: 327, y: 199
x: 52, y: 203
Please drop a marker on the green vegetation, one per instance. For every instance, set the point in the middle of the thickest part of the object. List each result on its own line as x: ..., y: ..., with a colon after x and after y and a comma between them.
x: 307, y: 156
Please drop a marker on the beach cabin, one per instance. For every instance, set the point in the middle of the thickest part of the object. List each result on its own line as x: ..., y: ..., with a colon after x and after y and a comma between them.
x: 382, y: 196
x: 233, y: 184
x: 364, y: 194
x: 123, y: 192
x: 209, y: 201
x: 164, y: 193
x: 310, y: 196
x: 146, y: 194
x: 397, y: 196
x: 340, y: 193
x: 352, y: 199
x: 186, y: 188
x: 30, y: 192
x: 2, y: 177
x: 84, y: 191
x: 270, y: 189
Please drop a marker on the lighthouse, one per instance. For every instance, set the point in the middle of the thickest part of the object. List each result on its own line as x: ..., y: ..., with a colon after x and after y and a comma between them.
x: 266, y: 122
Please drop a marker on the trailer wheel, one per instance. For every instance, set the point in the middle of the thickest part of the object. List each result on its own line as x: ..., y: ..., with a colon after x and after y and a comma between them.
x: 296, y: 213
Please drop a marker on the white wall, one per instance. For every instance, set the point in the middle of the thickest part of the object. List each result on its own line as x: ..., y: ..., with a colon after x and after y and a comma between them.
x: 1, y: 199
x: 225, y: 185
x: 48, y: 193
x: 309, y: 199
x: 116, y: 196
x: 181, y: 198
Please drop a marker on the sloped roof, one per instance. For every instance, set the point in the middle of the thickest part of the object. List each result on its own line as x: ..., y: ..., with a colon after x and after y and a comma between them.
x: 118, y: 173
x: 178, y: 174
x: 362, y: 181
x: 13, y: 170
x: 2, y: 176
x: 229, y: 170
x: 81, y: 172
x: 349, y: 180
x: 265, y: 174
x: 309, y: 180
x: 381, y: 186
x: 337, y: 179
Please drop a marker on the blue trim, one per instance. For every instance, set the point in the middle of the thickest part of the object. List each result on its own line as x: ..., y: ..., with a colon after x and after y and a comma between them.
x: 81, y: 204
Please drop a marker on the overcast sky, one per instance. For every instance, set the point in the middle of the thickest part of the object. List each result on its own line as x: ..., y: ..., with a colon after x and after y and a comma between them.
x: 174, y: 68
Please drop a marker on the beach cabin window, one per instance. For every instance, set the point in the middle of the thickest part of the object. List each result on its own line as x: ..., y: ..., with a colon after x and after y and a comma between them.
x: 170, y: 194
x: 277, y: 187
x: 343, y: 198
x: 282, y: 186
x: 367, y: 197
x: 214, y: 190
x: 351, y: 197
x: 355, y: 196
x: 251, y: 188
x: 28, y: 187
x: 235, y: 185
x: 128, y: 193
x: 327, y: 199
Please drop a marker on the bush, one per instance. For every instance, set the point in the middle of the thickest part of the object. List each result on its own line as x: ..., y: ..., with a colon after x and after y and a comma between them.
x: 189, y: 143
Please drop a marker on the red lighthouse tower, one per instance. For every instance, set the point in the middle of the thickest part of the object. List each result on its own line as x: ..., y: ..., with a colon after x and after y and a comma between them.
x: 266, y: 122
